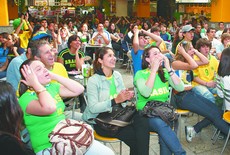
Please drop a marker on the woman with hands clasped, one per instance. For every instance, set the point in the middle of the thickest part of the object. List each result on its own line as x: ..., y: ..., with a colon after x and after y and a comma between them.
x: 152, y: 83
x: 191, y: 101
x: 42, y: 105
x: 106, y: 89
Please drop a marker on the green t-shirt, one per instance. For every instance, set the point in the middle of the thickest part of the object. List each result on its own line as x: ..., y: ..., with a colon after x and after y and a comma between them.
x: 113, y: 90
x: 160, y: 91
x: 39, y: 127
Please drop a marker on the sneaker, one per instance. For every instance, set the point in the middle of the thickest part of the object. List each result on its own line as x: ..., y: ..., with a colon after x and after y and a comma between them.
x: 189, y: 133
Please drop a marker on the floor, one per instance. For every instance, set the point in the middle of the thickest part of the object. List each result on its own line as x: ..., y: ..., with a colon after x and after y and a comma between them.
x: 201, y: 144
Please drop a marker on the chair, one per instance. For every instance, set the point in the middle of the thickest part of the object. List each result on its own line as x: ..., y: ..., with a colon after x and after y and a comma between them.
x: 25, y: 137
x: 106, y: 140
x: 181, y: 112
x: 226, y: 118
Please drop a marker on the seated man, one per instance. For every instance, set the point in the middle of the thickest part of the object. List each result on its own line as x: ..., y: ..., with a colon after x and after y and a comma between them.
x: 204, y: 83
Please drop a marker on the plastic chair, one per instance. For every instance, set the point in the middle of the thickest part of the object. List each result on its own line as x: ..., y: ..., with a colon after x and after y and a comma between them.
x: 106, y: 140
x: 226, y: 118
x: 25, y: 137
x: 181, y: 112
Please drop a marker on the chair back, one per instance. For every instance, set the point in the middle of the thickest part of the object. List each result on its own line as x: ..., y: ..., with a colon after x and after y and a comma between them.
x: 223, y: 92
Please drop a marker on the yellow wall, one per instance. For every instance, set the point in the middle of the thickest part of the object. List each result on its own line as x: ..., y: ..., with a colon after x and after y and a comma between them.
x: 143, y: 9
x: 220, y: 11
x: 4, y: 19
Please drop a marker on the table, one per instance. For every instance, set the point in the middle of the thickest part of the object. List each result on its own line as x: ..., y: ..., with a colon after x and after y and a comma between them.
x: 94, y: 47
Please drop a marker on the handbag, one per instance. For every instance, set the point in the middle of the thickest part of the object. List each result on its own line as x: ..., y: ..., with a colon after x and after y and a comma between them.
x: 71, y: 137
x: 160, y: 109
x: 118, y: 118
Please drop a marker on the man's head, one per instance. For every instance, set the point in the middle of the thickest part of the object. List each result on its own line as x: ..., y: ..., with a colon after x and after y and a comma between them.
x: 44, y: 23
x: 41, y: 50
x: 221, y: 25
x: 225, y: 39
x: 198, y: 28
x: 188, y: 32
x: 100, y: 27
x: 163, y: 28
x: 155, y: 30
x: 106, y: 23
x: 211, y: 33
x: 203, y: 45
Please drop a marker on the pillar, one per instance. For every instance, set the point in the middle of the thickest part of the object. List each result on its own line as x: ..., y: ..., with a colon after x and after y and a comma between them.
x: 220, y: 11
x: 143, y: 8
x: 4, y: 13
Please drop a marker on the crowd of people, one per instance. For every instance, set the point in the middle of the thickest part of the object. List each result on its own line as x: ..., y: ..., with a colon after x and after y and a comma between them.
x: 37, y: 57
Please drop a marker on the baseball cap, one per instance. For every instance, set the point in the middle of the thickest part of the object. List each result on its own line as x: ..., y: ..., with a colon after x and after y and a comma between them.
x: 17, y: 22
x: 187, y: 28
x: 41, y: 35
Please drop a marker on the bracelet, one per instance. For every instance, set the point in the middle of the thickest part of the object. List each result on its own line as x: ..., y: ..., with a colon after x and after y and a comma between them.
x: 171, y: 72
x: 40, y: 91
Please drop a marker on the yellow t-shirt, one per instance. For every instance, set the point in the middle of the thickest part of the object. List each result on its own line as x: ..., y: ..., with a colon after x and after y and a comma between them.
x: 59, y: 69
x: 206, y: 72
x: 24, y: 38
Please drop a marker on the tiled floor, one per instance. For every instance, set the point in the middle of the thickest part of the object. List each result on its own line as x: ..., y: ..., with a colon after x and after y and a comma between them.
x: 201, y: 144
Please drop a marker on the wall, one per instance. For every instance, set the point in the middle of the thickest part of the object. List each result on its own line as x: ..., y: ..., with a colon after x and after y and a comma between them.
x: 121, y: 8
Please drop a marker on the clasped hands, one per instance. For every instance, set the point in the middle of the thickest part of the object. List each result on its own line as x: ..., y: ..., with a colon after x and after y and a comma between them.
x: 124, y: 95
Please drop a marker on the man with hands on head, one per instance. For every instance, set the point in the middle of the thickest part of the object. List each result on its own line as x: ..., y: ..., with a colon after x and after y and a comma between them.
x: 23, y: 29
x: 139, y: 43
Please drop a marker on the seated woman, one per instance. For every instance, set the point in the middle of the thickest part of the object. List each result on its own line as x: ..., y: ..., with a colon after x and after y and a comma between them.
x: 224, y: 75
x: 43, y: 107
x: 11, y: 120
x: 106, y: 89
x: 191, y: 101
x: 153, y: 84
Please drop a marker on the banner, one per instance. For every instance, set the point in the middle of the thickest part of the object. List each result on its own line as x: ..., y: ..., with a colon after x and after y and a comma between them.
x: 90, y: 2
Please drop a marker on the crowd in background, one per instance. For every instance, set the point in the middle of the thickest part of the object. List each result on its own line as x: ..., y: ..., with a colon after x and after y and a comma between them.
x: 155, y: 44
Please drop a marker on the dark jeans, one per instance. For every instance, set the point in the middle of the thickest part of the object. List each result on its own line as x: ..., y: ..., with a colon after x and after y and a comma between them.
x: 136, y: 135
x: 204, y: 107
x: 168, y: 140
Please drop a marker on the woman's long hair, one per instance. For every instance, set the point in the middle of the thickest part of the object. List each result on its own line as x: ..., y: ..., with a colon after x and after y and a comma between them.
x: 11, y: 114
x: 224, y: 65
x: 23, y: 87
x: 146, y: 64
x: 100, y: 54
x: 186, y: 45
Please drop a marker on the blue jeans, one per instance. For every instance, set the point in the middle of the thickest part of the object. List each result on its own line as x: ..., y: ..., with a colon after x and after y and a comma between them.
x: 205, y: 92
x: 204, y: 107
x: 2, y: 74
x: 168, y: 140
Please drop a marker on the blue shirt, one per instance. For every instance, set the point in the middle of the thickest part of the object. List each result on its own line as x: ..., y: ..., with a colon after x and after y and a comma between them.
x: 137, y: 60
x: 3, y: 54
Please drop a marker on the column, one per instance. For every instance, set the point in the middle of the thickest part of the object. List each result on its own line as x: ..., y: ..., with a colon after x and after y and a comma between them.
x: 143, y: 8
x: 4, y: 13
x: 220, y: 11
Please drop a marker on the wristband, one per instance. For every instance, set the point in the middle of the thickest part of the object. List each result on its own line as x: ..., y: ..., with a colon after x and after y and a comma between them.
x: 40, y: 91
x: 171, y: 71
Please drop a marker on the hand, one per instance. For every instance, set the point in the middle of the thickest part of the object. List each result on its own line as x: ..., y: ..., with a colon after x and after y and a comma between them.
x: 180, y: 49
x: 156, y: 62
x: 122, y: 96
x: 166, y: 63
x: 30, y: 77
x: 211, y: 84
